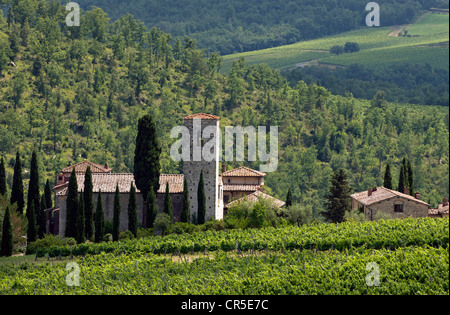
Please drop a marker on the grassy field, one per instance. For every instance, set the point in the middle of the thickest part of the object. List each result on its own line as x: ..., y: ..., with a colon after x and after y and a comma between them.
x: 427, y: 43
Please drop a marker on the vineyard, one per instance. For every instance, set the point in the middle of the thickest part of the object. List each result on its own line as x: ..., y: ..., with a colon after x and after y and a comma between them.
x: 378, y: 50
x: 412, y: 256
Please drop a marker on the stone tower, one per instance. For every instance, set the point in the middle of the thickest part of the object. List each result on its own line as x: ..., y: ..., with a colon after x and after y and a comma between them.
x: 204, y: 140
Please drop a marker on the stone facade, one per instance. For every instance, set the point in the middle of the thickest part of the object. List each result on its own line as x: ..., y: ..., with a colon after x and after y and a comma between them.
x: 192, y: 168
x: 395, y: 204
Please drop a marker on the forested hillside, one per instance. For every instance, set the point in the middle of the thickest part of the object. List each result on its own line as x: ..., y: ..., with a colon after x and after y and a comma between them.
x: 77, y: 93
x: 230, y: 26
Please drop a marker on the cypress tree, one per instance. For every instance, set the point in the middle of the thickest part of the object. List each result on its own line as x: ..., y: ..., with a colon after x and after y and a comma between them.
x: 48, y: 195
x: 99, y: 220
x: 201, y: 200
x: 116, y: 215
x: 2, y: 178
x: 289, y: 198
x: 402, y: 180
x: 338, y: 200
x: 31, y: 230
x: 132, y: 212
x: 388, y: 177
x: 147, y: 157
x: 17, y: 195
x: 72, y: 206
x: 81, y: 237
x: 6, y: 247
x: 152, y: 208
x: 168, y: 208
x: 40, y: 218
x: 88, y: 204
x: 185, y: 215
x: 410, y: 178
x: 34, y: 195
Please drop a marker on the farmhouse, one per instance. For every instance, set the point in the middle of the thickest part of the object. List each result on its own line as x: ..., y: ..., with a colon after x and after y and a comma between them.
x: 221, y: 189
x: 396, y: 204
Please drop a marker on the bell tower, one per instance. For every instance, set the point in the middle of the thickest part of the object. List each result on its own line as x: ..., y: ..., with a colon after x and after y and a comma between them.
x: 204, y: 131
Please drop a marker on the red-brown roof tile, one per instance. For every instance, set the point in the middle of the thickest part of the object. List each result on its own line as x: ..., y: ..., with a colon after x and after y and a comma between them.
x: 243, y: 172
x: 107, y: 183
x: 202, y: 116
x: 382, y: 194
x: 82, y: 167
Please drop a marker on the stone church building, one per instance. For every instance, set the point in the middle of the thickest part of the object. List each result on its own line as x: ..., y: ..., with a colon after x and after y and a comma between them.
x: 221, y: 188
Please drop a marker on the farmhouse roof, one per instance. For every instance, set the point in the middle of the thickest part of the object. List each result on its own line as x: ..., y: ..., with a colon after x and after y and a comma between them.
x: 382, y: 194
x: 254, y: 197
x: 107, y: 183
x: 202, y: 116
x: 82, y: 167
x: 243, y: 172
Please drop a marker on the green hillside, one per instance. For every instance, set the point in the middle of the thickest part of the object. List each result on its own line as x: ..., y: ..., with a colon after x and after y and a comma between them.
x: 428, y: 44
x: 78, y: 94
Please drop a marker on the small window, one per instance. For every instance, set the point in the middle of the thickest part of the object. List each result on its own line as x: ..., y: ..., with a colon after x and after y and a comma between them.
x: 60, y: 178
x: 398, y: 208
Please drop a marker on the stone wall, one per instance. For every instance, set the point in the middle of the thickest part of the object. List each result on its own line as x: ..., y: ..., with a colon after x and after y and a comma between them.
x: 410, y: 209
x: 108, y: 208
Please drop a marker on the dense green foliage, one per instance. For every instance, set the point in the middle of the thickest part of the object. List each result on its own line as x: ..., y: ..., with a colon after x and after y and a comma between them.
x: 318, y: 259
x: 81, y: 97
x: 6, y: 244
x: 234, y: 26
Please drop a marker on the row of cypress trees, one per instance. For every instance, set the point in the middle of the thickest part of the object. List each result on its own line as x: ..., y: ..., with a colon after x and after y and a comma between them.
x: 36, y: 203
x: 406, y: 177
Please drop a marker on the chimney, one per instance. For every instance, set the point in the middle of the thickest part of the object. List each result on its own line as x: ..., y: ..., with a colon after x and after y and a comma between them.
x: 369, y: 192
x: 418, y: 196
x: 445, y: 202
x: 224, y: 167
x: 107, y: 165
x: 406, y: 190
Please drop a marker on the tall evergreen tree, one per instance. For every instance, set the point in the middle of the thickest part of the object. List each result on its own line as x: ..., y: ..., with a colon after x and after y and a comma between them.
x: 31, y: 229
x: 201, y: 200
x: 88, y: 204
x: 6, y: 246
x: 147, y: 157
x: 338, y: 200
x: 116, y: 215
x: 81, y: 234
x: 185, y: 215
x: 132, y: 212
x: 17, y: 195
x: 168, y: 207
x: 410, y: 177
x: 72, y: 206
x: 34, y: 195
x: 40, y: 217
x: 402, y: 179
x: 388, y: 177
x: 48, y: 195
x: 3, y: 188
x: 99, y: 220
x: 289, y: 198
x: 152, y: 208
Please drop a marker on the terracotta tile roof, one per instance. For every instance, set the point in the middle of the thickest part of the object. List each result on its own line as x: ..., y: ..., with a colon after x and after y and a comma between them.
x: 440, y: 210
x: 176, y: 184
x: 254, y: 197
x: 241, y: 187
x: 243, y: 172
x: 202, y: 116
x: 382, y: 194
x: 82, y: 167
x: 107, y: 183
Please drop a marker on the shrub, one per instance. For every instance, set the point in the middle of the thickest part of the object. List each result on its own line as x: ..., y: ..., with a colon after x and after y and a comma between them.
x: 127, y: 235
x: 162, y: 223
x: 47, y: 242
x: 299, y: 214
x: 108, y: 237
